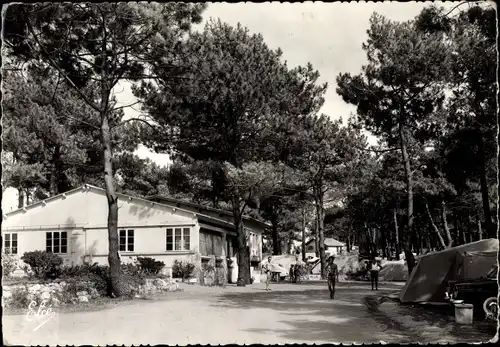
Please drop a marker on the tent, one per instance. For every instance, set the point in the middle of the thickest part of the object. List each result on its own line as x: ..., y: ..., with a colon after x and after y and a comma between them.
x: 429, y: 278
x: 347, y: 262
x: 281, y: 263
x: 393, y: 271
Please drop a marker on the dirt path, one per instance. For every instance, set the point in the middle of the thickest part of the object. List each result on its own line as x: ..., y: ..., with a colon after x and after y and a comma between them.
x: 300, y: 313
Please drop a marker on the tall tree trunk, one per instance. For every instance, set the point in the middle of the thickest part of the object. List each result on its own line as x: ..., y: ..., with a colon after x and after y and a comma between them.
x: 276, y: 240
x: 316, y: 233
x: 118, y: 287
x: 20, y: 198
x: 54, y: 172
x: 484, y: 189
x: 318, y: 193
x: 445, y: 224
x: 303, y: 245
x: 243, y: 249
x: 291, y: 245
x: 224, y: 260
x: 461, y: 231
x: 469, y: 233
x: 396, y: 234
x: 384, y: 243
x: 434, y: 226
x: 479, y: 229
x: 410, y: 259
x: 28, y: 197
x: 428, y: 242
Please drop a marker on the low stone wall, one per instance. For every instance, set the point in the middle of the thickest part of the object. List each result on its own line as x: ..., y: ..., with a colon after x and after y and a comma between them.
x: 72, y: 291
x: 156, y: 285
x: 54, y: 293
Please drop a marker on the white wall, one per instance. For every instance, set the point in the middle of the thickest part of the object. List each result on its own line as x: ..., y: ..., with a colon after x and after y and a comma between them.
x: 83, y: 214
x: 148, y: 242
x: 56, y: 213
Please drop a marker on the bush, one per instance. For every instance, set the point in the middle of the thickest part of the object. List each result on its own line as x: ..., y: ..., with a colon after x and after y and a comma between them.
x: 8, y: 263
x: 182, y: 269
x: 150, y: 266
x: 19, y: 298
x: 358, y: 275
x: 43, y: 264
x: 98, y: 274
x: 133, y: 275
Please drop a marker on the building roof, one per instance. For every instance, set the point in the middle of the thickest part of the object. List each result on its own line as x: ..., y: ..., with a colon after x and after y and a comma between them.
x: 201, y: 208
x: 167, y: 202
x: 330, y: 242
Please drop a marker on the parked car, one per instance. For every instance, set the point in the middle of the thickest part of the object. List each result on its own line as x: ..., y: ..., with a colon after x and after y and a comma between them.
x: 481, y: 292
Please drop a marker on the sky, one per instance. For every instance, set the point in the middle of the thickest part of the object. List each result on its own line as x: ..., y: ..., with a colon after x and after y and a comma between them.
x: 328, y: 35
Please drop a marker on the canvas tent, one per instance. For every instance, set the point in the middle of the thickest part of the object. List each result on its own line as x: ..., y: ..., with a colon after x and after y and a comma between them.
x: 347, y: 262
x: 281, y: 263
x: 429, y: 279
x: 393, y: 271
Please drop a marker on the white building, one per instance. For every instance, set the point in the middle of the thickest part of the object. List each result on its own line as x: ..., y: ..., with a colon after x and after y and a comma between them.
x: 74, y: 226
x: 332, y: 247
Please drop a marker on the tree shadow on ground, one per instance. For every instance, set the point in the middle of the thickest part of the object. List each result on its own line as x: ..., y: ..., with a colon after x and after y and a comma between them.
x: 311, y: 316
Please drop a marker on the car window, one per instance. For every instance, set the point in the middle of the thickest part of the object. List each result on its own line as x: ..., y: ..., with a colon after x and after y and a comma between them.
x: 492, y: 273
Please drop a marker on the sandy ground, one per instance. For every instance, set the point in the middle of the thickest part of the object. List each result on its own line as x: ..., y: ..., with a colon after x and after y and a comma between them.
x: 290, y: 313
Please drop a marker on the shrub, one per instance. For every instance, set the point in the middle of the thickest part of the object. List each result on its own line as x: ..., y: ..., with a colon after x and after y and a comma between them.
x: 43, y: 264
x: 98, y: 274
x: 182, y: 269
x: 27, y: 271
x: 19, y: 298
x: 133, y: 275
x: 150, y: 265
x: 358, y: 275
x: 8, y: 263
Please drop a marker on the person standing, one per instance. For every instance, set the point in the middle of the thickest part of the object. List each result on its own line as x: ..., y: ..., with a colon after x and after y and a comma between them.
x: 269, y: 273
x: 292, y: 273
x: 374, y: 270
x: 332, y: 273
x: 296, y: 273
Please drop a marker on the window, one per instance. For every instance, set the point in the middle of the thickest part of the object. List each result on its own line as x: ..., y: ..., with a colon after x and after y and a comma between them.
x: 56, y: 242
x: 126, y: 240
x: 178, y: 239
x: 10, y: 243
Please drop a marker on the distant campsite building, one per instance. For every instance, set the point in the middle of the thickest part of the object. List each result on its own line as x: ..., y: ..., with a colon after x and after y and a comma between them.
x: 332, y: 247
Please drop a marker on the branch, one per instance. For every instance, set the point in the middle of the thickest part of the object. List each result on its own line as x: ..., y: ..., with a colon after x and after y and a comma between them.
x: 460, y: 4
x: 377, y: 150
x: 55, y: 89
x: 81, y: 121
x: 125, y: 106
x: 134, y: 119
x: 434, y: 226
x: 445, y: 223
x: 55, y: 66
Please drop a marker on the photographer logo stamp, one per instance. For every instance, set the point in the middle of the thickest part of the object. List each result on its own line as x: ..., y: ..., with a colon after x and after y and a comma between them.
x: 39, y: 313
